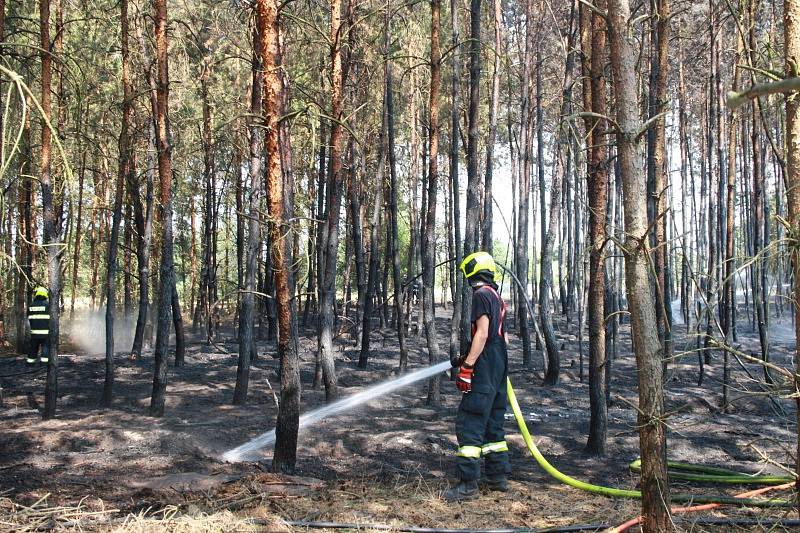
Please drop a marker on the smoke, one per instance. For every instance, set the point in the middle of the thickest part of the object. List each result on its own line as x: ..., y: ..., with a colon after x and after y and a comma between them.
x: 87, y: 331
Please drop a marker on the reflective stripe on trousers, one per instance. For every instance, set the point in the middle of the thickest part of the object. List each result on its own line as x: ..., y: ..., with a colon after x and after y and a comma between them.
x: 494, y: 447
x: 472, y: 452
x: 475, y: 452
x: 40, y: 332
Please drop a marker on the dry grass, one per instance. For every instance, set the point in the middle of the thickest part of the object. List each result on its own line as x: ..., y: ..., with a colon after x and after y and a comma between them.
x: 169, y: 519
x: 242, y: 507
x: 89, y: 515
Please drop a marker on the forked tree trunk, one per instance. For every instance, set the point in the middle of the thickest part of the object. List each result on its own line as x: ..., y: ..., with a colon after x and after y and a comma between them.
x: 247, y: 311
x: 334, y: 190
x: 144, y: 215
x: 158, y: 396
x: 374, y: 234
x: 321, y: 227
x: 641, y: 304
x: 546, y: 280
x: 203, y: 312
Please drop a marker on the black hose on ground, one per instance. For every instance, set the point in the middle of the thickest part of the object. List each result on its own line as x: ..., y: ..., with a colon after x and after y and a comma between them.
x: 410, y: 529
x: 763, y: 522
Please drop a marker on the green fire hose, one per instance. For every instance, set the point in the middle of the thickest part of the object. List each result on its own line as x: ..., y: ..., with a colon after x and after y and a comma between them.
x: 677, y: 471
x: 710, y: 474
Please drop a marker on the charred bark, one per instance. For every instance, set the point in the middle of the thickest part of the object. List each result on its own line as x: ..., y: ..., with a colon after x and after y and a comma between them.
x: 158, y: 396
x: 247, y: 311
x: 646, y: 345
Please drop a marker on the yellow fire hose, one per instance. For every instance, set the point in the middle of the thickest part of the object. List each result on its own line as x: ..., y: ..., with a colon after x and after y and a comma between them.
x: 677, y: 471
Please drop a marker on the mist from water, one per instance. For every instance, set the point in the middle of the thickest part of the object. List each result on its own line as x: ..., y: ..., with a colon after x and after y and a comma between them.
x: 87, y: 331
x: 247, y: 450
x: 779, y: 330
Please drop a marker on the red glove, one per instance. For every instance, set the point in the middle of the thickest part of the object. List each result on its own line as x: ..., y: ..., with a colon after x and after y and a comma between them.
x: 464, y: 378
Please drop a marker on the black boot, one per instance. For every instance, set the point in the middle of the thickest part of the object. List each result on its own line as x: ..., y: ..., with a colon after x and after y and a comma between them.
x: 465, y: 490
x: 497, y: 482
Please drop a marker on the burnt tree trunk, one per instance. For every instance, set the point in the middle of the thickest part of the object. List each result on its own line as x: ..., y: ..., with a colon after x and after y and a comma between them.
x: 471, y: 229
x: 280, y: 242
x: 757, y: 204
x: 393, y: 222
x: 659, y: 74
x: 429, y: 235
x: 374, y: 230
x: 559, y: 176
x: 334, y: 194
x: 488, y: 208
x: 598, y: 193
x: 76, y: 250
x: 646, y: 345
x: 24, y: 237
x: 247, y: 311
x: 204, y: 312
x: 124, y: 170
x: 521, y: 244
x: 729, y: 294
x: 791, y: 21
x: 158, y: 396
x: 51, y: 214
x: 455, y: 126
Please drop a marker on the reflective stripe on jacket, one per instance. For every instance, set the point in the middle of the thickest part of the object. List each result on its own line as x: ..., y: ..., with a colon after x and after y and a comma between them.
x: 39, y: 318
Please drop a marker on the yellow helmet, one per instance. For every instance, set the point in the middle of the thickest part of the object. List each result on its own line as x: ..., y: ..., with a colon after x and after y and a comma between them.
x: 40, y: 291
x: 479, y: 262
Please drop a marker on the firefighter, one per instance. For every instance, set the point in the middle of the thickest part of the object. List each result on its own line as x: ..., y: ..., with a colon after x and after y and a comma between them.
x: 39, y: 320
x: 482, y: 375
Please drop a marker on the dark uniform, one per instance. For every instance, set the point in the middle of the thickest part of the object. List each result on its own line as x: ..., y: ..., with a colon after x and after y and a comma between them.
x: 39, y: 320
x: 481, y: 414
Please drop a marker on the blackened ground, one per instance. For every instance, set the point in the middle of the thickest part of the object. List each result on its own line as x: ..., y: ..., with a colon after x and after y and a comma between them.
x: 387, y: 461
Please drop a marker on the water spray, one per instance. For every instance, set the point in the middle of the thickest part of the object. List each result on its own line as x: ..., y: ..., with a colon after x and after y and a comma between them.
x: 248, y: 450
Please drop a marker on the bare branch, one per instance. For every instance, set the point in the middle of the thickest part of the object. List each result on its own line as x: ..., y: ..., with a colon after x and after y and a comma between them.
x: 788, y: 85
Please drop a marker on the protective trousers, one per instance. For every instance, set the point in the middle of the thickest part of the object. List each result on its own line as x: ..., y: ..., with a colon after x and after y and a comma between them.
x: 481, y: 415
x: 33, y: 352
